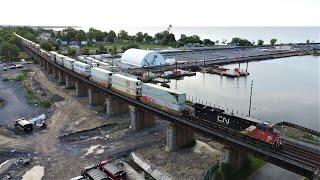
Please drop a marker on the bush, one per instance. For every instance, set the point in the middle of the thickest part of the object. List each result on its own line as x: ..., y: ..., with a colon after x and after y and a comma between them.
x: 45, y: 103
x: 165, y: 85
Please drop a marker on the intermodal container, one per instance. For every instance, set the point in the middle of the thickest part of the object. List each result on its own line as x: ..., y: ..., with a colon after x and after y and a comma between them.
x: 59, y: 59
x: 101, y: 76
x: 53, y: 55
x: 82, y: 68
x: 68, y: 63
x: 163, y: 93
x: 126, y: 81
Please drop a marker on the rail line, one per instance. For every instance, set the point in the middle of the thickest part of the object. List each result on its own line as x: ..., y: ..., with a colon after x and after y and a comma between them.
x: 287, y: 159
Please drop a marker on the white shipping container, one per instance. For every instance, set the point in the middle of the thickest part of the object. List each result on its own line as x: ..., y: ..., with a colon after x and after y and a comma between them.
x: 68, y: 63
x: 53, y: 55
x: 163, y: 93
x: 126, y: 90
x: 126, y: 81
x: 162, y: 103
x: 82, y: 68
x: 101, y: 76
x: 59, y: 59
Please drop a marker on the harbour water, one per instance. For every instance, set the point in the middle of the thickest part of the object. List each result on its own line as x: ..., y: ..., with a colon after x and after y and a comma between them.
x: 285, y: 89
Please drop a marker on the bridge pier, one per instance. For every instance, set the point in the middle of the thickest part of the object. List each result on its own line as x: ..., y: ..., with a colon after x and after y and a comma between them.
x: 50, y: 71
x: 81, y: 89
x: 234, y: 157
x: 115, y: 106
x: 96, y: 97
x: 45, y: 65
x: 178, y: 136
x: 70, y: 83
x: 60, y: 77
x: 55, y: 72
x: 140, y: 118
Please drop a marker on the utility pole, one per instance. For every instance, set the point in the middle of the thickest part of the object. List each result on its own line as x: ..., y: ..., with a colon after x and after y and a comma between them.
x: 250, y: 98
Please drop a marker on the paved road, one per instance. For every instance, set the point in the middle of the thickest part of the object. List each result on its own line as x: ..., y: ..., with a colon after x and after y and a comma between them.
x: 273, y: 172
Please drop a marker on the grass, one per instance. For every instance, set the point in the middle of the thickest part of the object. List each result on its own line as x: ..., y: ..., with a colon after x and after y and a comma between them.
x: 19, y: 77
x: 32, y: 98
x: 251, y: 165
x: 308, y: 138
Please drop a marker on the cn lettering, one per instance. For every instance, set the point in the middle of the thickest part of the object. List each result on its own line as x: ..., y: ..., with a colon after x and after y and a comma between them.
x: 223, y: 120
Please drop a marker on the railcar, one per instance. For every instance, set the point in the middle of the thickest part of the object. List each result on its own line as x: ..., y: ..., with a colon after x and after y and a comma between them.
x: 101, y: 76
x: 262, y: 132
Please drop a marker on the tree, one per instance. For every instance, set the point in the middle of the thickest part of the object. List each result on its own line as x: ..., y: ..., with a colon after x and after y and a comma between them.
x: 80, y: 36
x: 139, y: 37
x: 307, y: 41
x: 241, y: 42
x: 114, y: 50
x: 260, y: 42
x: 72, y: 52
x: 9, y: 51
x: 111, y: 36
x: 273, y: 41
x: 147, y: 37
x: 102, y: 49
x: 208, y: 42
x: 86, y: 50
x: 217, y: 42
x: 23, y: 55
x: 123, y: 35
x: 46, y: 45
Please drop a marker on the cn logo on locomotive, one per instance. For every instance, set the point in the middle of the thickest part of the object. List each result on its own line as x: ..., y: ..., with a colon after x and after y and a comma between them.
x: 222, y: 119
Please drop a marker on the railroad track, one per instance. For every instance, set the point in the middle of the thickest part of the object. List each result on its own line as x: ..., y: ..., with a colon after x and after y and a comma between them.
x: 303, y: 153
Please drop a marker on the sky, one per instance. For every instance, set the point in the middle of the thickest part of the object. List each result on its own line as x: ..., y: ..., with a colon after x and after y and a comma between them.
x: 139, y: 13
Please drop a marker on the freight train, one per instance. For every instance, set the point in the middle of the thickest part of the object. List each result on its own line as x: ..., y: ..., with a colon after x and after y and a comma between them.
x: 164, y: 98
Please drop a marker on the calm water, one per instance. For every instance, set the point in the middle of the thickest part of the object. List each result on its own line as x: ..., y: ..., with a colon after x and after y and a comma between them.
x: 283, y: 34
x: 284, y: 89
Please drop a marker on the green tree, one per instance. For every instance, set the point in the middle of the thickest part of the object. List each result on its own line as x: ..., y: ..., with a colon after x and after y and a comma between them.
x: 123, y: 35
x: 273, y: 41
x: 260, y: 42
x: 111, y: 36
x: 114, y: 50
x: 9, y: 51
x: 147, y: 37
x: 307, y: 41
x: 80, y: 36
x: 139, y: 37
x: 102, y: 49
x: 241, y: 42
x: 208, y: 42
x: 72, y: 52
x: 85, y: 50
x: 46, y: 45
x: 23, y: 55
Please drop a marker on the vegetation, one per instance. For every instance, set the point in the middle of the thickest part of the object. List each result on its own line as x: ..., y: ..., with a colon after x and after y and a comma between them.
x: 32, y: 98
x: 47, y: 45
x: 260, y: 42
x: 241, y: 42
x: 251, y: 165
x: 19, y: 77
x: 165, y: 85
x: 273, y: 41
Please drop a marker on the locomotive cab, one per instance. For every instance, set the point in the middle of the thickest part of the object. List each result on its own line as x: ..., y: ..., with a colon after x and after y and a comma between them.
x: 272, y: 136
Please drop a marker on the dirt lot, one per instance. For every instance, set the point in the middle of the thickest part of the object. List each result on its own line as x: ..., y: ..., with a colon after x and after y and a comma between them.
x: 77, y: 136
x: 64, y: 149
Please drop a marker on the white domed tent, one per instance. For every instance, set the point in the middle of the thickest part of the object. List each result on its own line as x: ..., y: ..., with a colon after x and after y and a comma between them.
x: 142, y: 58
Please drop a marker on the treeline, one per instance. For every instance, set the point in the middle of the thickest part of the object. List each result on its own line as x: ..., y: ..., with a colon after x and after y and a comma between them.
x: 10, y: 49
x: 101, y: 41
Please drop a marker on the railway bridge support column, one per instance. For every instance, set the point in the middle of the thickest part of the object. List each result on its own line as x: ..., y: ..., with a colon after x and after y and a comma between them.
x: 50, y: 67
x: 140, y: 118
x: 234, y: 157
x: 178, y: 136
x: 55, y: 72
x: 45, y: 65
x: 81, y: 89
x: 116, y: 106
x: 60, y: 77
x: 70, y: 83
x: 96, y: 97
